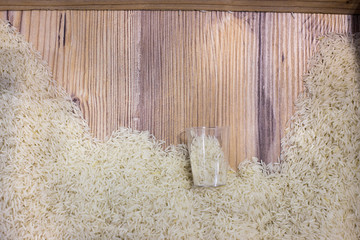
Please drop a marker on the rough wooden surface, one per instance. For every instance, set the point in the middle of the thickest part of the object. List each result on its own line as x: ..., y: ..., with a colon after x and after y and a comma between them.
x: 308, y: 6
x: 164, y: 71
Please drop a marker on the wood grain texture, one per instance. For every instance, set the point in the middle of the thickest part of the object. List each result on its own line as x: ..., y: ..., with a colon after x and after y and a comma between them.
x: 164, y: 71
x: 308, y: 6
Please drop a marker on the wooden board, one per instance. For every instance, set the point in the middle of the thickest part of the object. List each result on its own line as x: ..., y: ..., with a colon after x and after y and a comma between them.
x: 315, y: 6
x: 164, y: 71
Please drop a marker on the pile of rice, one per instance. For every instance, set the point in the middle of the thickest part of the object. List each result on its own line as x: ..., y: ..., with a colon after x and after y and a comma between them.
x: 57, y: 182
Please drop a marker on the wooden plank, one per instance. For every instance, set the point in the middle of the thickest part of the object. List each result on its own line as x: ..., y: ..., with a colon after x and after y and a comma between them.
x: 164, y: 71
x: 305, y: 6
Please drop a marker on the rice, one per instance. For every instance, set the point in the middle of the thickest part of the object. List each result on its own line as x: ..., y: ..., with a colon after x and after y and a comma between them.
x: 208, y: 163
x: 57, y: 182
